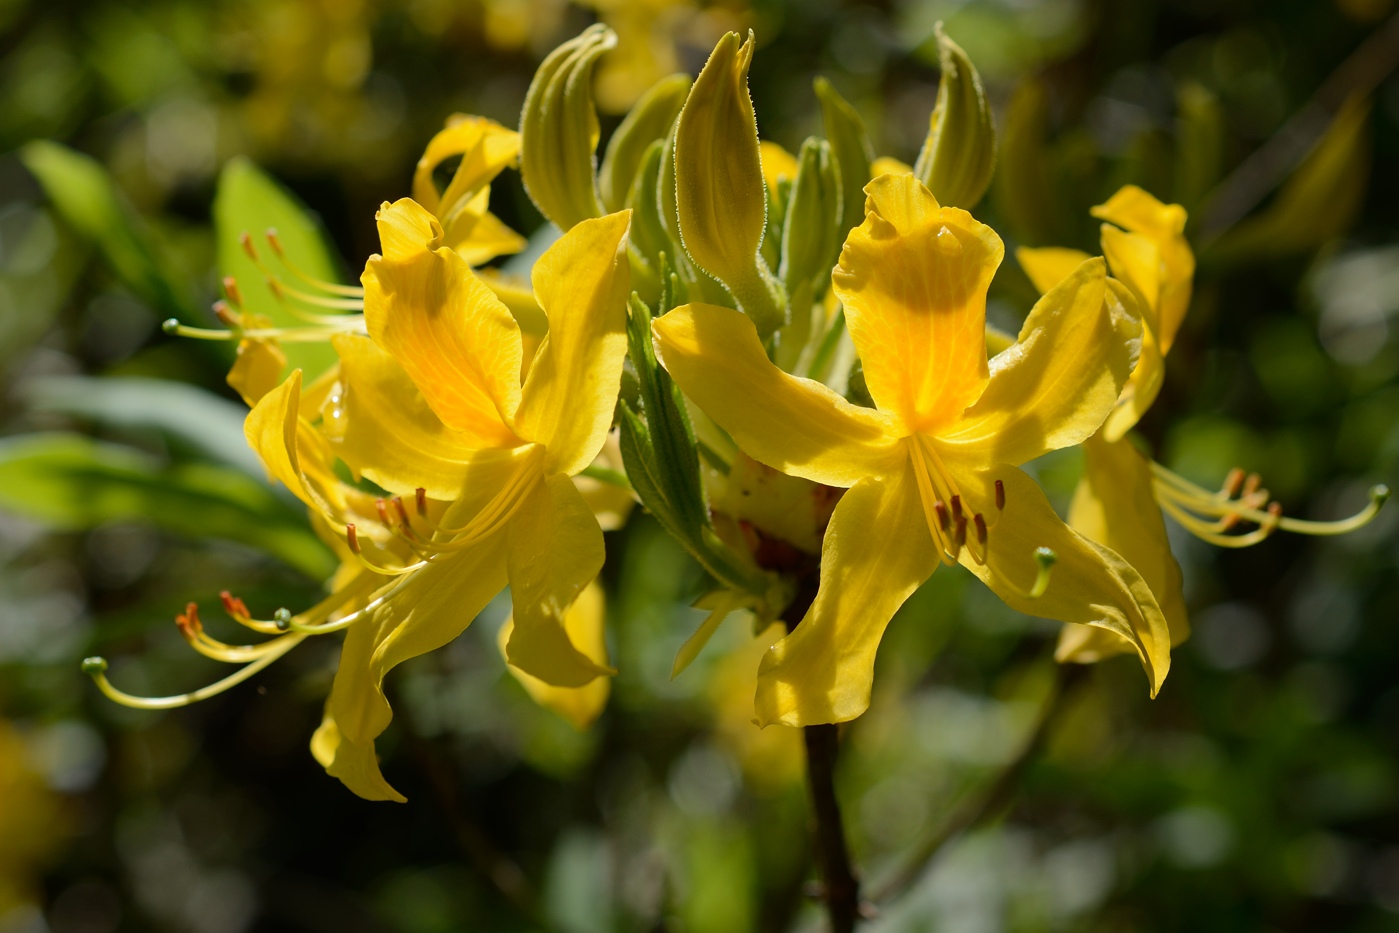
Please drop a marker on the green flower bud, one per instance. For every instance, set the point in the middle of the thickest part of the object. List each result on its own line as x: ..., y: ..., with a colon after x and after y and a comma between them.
x: 959, y: 156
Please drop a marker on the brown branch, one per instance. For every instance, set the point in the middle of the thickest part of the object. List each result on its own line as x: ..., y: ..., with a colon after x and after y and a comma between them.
x: 839, y: 887
x: 1273, y: 161
x: 975, y: 809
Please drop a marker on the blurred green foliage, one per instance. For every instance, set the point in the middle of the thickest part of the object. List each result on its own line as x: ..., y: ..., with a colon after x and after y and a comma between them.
x: 1258, y: 791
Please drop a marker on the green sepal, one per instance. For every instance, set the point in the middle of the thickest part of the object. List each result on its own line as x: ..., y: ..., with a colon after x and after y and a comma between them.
x: 958, y: 157
x: 559, y: 130
x: 850, y: 148
x: 649, y: 121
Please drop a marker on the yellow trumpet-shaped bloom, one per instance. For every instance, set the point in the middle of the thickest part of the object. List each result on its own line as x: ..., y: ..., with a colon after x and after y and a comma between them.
x: 932, y: 470
x: 431, y: 404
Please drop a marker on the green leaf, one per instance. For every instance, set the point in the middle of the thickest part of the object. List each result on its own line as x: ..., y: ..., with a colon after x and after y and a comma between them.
x: 649, y: 121
x: 1318, y: 202
x: 851, y: 149
x: 250, y: 201
x: 85, y: 196
x: 70, y: 482
x: 208, y: 426
x: 559, y: 130
x: 958, y: 157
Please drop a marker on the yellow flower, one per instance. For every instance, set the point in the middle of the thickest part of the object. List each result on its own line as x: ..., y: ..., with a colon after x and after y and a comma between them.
x: 585, y: 621
x: 434, y: 404
x: 931, y: 472
x: 1119, y: 500
x: 440, y: 403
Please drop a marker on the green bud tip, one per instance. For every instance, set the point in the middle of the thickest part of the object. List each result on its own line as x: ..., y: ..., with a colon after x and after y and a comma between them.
x: 283, y: 619
x: 170, y: 325
x: 1045, y: 557
x: 1379, y: 494
x: 94, y: 666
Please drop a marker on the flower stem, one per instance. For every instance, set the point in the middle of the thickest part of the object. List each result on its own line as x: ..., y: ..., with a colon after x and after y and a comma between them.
x: 840, y: 889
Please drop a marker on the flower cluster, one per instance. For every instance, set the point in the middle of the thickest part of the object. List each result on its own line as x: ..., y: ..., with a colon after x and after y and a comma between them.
x: 784, y: 358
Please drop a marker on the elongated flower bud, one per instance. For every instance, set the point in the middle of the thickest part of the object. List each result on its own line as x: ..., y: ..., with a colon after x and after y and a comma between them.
x: 959, y: 155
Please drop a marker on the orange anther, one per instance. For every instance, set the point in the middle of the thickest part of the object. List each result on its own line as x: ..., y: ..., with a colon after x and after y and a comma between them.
x: 230, y: 288
x: 247, y: 243
x: 188, y: 621
x: 352, y: 538
x: 234, y: 606
x: 421, y: 495
x: 1232, y: 482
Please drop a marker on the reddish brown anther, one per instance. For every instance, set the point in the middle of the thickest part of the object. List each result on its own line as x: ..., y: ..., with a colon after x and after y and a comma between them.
x: 1232, y: 482
x: 230, y: 288
x: 246, y: 241
x: 421, y: 496
x: 1000, y: 495
x: 188, y: 622
x: 274, y: 241
x: 1251, y: 484
x: 382, y: 508
x: 957, y: 514
x: 959, y: 535
x: 980, y: 523
x: 352, y: 538
x: 234, y: 606
x: 226, y: 315
x: 944, y: 519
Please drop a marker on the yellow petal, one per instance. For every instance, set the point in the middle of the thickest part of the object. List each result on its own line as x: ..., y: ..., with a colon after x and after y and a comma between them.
x: 424, y: 611
x: 1114, y: 506
x: 1089, y: 585
x: 777, y: 163
x: 913, y: 279
x: 384, y: 429
x: 1049, y: 265
x: 293, y: 452
x: 1060, y: 380
x: 1136, y: 262
x: 582, y: 283
x: 1141, y: 389
x: 484, y: 239
x: 585, y: 623
x: 257, y: 370
x: 888, y: 165
x: 554, y: 549
x: 794, y: 425
x: 1138, y: 212
x: 485, y: 148
x: 611, y: 503
x: 458, y: 342
x: 876, y: 552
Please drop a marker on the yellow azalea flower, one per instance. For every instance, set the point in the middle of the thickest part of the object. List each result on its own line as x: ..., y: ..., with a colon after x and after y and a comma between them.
x: 433, y: 403
x: 931, y: 472
x: 1120, y: 498
x: 485, y: 148
x: 438, y: 403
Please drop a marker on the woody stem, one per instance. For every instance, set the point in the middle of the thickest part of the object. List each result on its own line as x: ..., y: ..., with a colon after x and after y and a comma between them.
x: 840, y: 888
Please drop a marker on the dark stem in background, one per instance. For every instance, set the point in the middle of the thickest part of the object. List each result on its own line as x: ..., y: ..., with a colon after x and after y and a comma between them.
x: 839, y: 887
x: 977, y: 807
x: 1271, y: 162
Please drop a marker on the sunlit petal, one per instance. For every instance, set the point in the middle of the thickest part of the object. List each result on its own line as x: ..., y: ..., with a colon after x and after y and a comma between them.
x: 569, y: 397
x: 876, y: 552
x: 457, y: 341
x: 795, y: 425
x: 554, y: 549
x: 585, y: 623
x: 913, y: 279
x: 1138, y: 212
x: 1059, y: 381
x: 1090, y: 584
x: 1114, y: 505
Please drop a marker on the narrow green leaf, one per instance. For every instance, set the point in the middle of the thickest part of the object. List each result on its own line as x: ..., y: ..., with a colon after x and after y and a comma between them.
x: 249, y: 201
x: 85, y: 196
x: 71, y: 482
x: 187, y: 416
